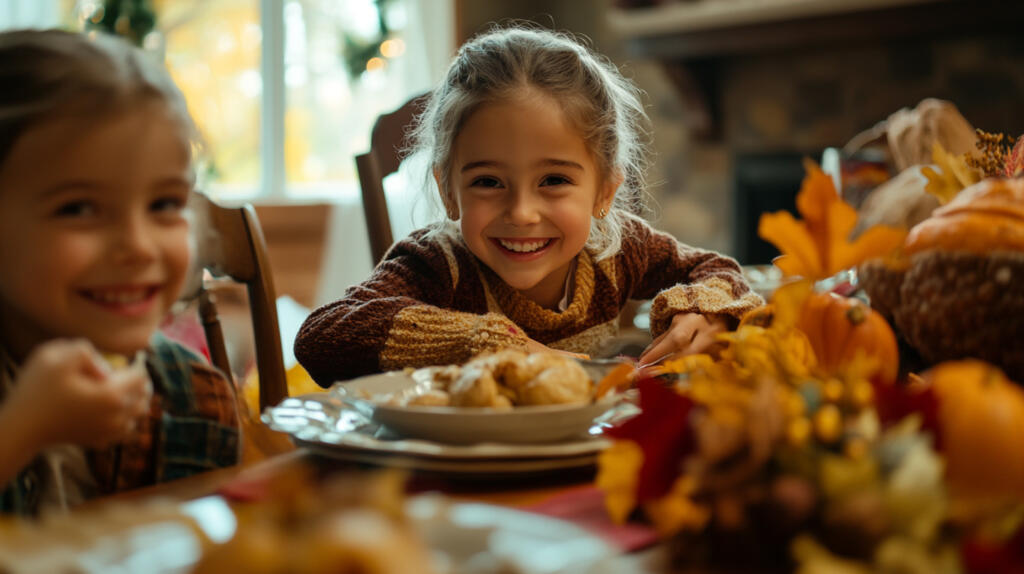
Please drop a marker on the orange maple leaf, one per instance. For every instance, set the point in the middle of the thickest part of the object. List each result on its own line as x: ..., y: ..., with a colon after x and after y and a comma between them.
x: 819, y: 246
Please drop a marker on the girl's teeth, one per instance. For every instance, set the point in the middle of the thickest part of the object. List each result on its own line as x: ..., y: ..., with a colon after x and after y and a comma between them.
x: 119, y: 297
x: 523, y: 246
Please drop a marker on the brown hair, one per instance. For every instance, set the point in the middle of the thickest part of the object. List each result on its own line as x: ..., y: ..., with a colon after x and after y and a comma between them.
x: 47, y: 74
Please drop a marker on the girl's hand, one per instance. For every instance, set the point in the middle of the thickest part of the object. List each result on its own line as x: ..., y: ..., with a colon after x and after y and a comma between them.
x: 66, y: 393
x: 535, y: 347
x: 689, y: 333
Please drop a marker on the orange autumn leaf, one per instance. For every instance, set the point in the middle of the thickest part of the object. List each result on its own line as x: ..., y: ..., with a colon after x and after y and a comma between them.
x: 819, y: 246
x: 794, y: 241
x: 677, y: 510
x: 620, y: 378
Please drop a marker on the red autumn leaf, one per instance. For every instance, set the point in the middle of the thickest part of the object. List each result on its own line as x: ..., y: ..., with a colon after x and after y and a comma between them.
x: 982, y: 556
x: 895, y: 401
x: 662, y: 431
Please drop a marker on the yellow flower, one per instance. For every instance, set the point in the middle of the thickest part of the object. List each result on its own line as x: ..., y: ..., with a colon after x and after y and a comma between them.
x: 299, y: 383
x: 617, y: 475
x: 684, y: 364
x: 841, y: 475
x: 813, y: 558
x: 782, y: 353
x: 676, y: 510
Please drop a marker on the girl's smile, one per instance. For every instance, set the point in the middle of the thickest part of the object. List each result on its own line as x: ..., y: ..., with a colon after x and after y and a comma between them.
x: 124, y: 300
x: 524, y: 249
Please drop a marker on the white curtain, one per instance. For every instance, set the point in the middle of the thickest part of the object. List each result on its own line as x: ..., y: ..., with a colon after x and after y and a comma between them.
x: 430, y: 38
x: 430, y: 44
x: 28, y: 14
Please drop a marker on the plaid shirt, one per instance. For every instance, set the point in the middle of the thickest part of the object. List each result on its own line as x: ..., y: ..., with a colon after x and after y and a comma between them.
x: 192, y: 427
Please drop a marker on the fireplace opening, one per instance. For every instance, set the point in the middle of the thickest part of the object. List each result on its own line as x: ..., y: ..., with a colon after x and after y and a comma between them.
x: 763, y: 182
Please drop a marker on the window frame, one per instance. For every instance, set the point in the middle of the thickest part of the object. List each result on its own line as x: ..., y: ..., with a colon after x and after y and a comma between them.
x: 273, y: 181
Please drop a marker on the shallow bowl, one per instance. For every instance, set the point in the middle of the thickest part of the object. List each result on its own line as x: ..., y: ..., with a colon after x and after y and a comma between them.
x: 467, y: 425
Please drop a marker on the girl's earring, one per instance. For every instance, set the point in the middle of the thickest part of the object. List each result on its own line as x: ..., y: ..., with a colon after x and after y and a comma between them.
x: 602, y: 213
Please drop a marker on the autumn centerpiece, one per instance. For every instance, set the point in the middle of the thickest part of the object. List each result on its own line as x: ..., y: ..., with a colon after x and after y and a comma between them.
x: 958, y: 288
x: 796, y: 448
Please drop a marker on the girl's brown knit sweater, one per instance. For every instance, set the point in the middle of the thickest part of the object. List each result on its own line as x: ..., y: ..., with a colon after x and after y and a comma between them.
x: 431, y: 302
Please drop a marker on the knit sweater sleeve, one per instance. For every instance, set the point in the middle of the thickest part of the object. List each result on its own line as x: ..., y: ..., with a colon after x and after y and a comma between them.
x: 404, y: 315
x: 683, y: 279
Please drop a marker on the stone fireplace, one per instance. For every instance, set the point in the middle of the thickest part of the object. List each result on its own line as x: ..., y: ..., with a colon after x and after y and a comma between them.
x: 758, y: 97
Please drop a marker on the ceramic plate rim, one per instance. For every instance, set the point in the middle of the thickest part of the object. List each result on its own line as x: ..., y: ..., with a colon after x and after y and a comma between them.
x: 360, y: 436
x: 462, y: 466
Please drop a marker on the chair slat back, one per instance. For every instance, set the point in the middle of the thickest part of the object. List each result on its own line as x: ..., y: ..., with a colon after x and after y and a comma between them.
x: 231, y: 244
x: 388, y: 140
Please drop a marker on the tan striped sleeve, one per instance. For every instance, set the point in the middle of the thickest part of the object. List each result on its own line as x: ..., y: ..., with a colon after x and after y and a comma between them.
x: 713, y: 296
x: 423, y: 335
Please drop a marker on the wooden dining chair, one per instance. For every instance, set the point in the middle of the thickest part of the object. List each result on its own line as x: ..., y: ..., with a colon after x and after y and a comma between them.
x: 230, y: 245
x: 387, y: 141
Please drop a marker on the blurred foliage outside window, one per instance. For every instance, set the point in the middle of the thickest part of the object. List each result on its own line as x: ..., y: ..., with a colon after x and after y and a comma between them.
x: 344, y: 64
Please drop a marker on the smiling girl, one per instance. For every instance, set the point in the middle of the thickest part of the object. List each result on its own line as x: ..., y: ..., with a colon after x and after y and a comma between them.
x: 535, y: 144
x: 95, y: 177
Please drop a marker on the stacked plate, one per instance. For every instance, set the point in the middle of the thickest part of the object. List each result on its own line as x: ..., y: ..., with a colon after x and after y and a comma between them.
x: 342, y: 424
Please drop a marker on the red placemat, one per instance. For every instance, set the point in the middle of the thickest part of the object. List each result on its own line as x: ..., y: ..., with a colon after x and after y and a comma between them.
x: 584, y: 507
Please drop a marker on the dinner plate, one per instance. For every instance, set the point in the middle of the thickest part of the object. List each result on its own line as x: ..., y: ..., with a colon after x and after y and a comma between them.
x: 482, y: 538
x: 464, y: 537
x: 468, y: 537
x: 324, y: 421
x: 468, y: 469
x: 466, y: 425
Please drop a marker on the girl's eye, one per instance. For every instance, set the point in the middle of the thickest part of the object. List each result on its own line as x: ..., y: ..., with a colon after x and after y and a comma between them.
x: 168, y: 205
x: 554, y: 181
x: 486, y: 182
x: 76, y: 209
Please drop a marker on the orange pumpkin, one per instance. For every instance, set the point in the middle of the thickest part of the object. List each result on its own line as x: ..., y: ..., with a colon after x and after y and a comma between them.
x: 985, y: 217
x: 840, y: 327
x: 981, y: 415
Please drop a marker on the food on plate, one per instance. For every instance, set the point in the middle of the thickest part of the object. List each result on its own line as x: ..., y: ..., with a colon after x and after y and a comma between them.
x: 115, y: 361
x: 119, y: 362
x: 101, y: 538
x: 354, y: 523
x: 501, y: 380
x: 562, y: 383
x: 431, y: 398
x: 476, y: 387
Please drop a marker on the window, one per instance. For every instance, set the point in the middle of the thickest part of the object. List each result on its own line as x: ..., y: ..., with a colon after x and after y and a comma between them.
x: 270, y: 85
